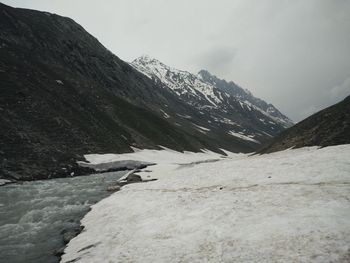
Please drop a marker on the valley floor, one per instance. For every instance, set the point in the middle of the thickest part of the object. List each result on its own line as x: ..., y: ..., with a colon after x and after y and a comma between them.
x: 290, y: 206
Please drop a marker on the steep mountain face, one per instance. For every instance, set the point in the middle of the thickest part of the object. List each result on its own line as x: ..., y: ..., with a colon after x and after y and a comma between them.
x: 245, y: 96
x: 330, y: 126
x: 224, y: 107
x: 62, y: 95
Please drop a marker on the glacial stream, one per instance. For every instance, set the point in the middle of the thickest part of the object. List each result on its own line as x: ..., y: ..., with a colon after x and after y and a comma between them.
x: 35, y: 215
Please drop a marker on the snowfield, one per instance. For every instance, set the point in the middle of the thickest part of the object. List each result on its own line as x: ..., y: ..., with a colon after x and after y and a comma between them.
x: 290, y: 206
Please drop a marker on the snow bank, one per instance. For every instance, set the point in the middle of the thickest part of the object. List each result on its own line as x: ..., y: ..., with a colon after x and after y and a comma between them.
x: 4, y: 181
x: 164, y: 156
x: 290, y: 206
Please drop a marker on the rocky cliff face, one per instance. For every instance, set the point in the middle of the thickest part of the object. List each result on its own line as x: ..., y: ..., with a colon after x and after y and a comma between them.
x: 330, y: 126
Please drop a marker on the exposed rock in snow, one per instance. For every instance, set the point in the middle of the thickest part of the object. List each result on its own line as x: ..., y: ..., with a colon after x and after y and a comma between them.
x: 166, y: 115
x: 201, y: 128
x: 290, y: 206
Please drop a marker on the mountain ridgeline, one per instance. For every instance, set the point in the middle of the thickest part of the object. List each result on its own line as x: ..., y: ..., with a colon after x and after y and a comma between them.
x: 327, y: 127
x: 63, y: 94
x: 223, y: 107
x: 246, y: 96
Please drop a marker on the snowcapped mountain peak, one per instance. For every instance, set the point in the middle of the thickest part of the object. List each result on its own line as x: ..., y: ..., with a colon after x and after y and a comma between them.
x: 245, y: 96
x: 181, y: 82
x: 151, y: 67
x: 147, y: 63
x: 146, y: 59
x: 204, y: 72
x: 223, y: 105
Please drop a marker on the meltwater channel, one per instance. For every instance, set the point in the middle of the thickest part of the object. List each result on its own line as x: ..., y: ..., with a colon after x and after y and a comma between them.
x: 35, y: 215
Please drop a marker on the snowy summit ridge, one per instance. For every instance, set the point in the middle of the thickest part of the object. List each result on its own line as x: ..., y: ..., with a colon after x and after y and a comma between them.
x: 179, y: 81
x: 205, y: 87
x: 221, y: 102
x: 245, y: 96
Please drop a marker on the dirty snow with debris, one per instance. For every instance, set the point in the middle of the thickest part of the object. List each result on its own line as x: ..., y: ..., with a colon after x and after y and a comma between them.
x: 290, y: 206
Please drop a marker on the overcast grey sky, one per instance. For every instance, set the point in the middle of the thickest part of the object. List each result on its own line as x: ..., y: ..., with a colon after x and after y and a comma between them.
x: 292, y: 53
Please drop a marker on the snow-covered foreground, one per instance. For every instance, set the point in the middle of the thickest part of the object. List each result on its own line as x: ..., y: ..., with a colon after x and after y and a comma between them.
x: 291, y: 206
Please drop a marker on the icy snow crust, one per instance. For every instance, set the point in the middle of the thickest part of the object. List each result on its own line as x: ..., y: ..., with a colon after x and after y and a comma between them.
x: 290, y: 206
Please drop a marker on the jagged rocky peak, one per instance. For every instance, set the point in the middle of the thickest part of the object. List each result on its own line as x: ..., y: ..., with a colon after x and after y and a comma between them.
x: 149, y: 62
x: 152, y: 67
x: 206, y: 90
x: 223, y: 106
x: 206, y: 76
x: 184, y: 84
x: 244, y: 95
x: 146, y: 59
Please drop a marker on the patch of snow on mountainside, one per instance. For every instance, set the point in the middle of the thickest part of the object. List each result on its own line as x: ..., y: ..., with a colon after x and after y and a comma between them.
x: 167, y: 116
x: 243, y: 136
x: 184, y: 116
x: 289, y: 206
x: 275, y: 120
x: 226, y: 121
x: 201, y: 128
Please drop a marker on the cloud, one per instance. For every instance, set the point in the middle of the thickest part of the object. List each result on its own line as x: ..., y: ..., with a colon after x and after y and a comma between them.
x: 341, y: 91
x: 217, y: 60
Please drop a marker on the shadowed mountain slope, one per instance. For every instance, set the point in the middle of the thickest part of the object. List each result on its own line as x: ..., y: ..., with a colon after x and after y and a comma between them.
x: 62, y: 95
x: 330, y: 126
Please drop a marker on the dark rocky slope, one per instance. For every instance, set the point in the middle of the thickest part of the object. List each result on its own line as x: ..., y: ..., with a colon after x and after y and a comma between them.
x: 62, y: 94
x: 330, y: 126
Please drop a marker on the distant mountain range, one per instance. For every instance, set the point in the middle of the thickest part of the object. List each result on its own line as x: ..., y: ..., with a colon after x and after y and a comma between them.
x: 63, y: 94
x: 224, y: 106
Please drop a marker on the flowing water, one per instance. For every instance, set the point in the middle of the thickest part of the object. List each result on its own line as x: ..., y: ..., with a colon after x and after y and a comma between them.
x: 34, y: 215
